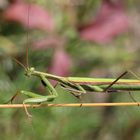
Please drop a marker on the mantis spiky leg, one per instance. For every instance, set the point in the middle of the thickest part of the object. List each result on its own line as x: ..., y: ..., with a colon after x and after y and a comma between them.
x: 36, y: 98
x: 106, y: 89
x: 77, y: 90
x: 73, y: 88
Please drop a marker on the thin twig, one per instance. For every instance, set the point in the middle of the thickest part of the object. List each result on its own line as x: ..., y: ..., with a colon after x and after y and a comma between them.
x: 69, y: 105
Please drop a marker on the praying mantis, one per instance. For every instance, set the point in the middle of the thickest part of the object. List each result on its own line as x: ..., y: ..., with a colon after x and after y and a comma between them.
x: 75, y: 85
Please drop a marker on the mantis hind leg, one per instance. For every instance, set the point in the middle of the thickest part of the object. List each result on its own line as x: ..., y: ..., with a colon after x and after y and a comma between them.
x: 115, y: 81
x: 75, y: 90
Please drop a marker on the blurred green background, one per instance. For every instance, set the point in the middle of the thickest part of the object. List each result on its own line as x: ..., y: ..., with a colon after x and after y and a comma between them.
x: 93, y: 38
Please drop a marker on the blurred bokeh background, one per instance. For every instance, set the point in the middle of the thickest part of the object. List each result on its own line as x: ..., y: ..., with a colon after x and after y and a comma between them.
x: 87, y: 38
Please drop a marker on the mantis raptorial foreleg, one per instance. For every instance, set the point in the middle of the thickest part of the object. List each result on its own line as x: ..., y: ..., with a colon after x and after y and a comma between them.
x: 36, y: 98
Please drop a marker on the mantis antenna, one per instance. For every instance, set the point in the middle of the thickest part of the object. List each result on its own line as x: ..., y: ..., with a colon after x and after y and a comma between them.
x: 18, y: 62
x: 27, y: 39
x: 27, y: 44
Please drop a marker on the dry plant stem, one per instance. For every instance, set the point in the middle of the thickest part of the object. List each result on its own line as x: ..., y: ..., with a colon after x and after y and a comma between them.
x: 69, y: 105
x: 26, y: 111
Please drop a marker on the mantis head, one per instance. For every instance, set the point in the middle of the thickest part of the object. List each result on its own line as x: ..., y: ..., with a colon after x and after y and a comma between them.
x: 29, y: 71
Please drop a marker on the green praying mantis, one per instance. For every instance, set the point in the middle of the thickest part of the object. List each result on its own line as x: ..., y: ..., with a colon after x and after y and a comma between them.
x: 75, y: 85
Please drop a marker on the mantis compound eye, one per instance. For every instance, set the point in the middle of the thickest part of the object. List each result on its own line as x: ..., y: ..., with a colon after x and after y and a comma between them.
x: 32, y: 69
